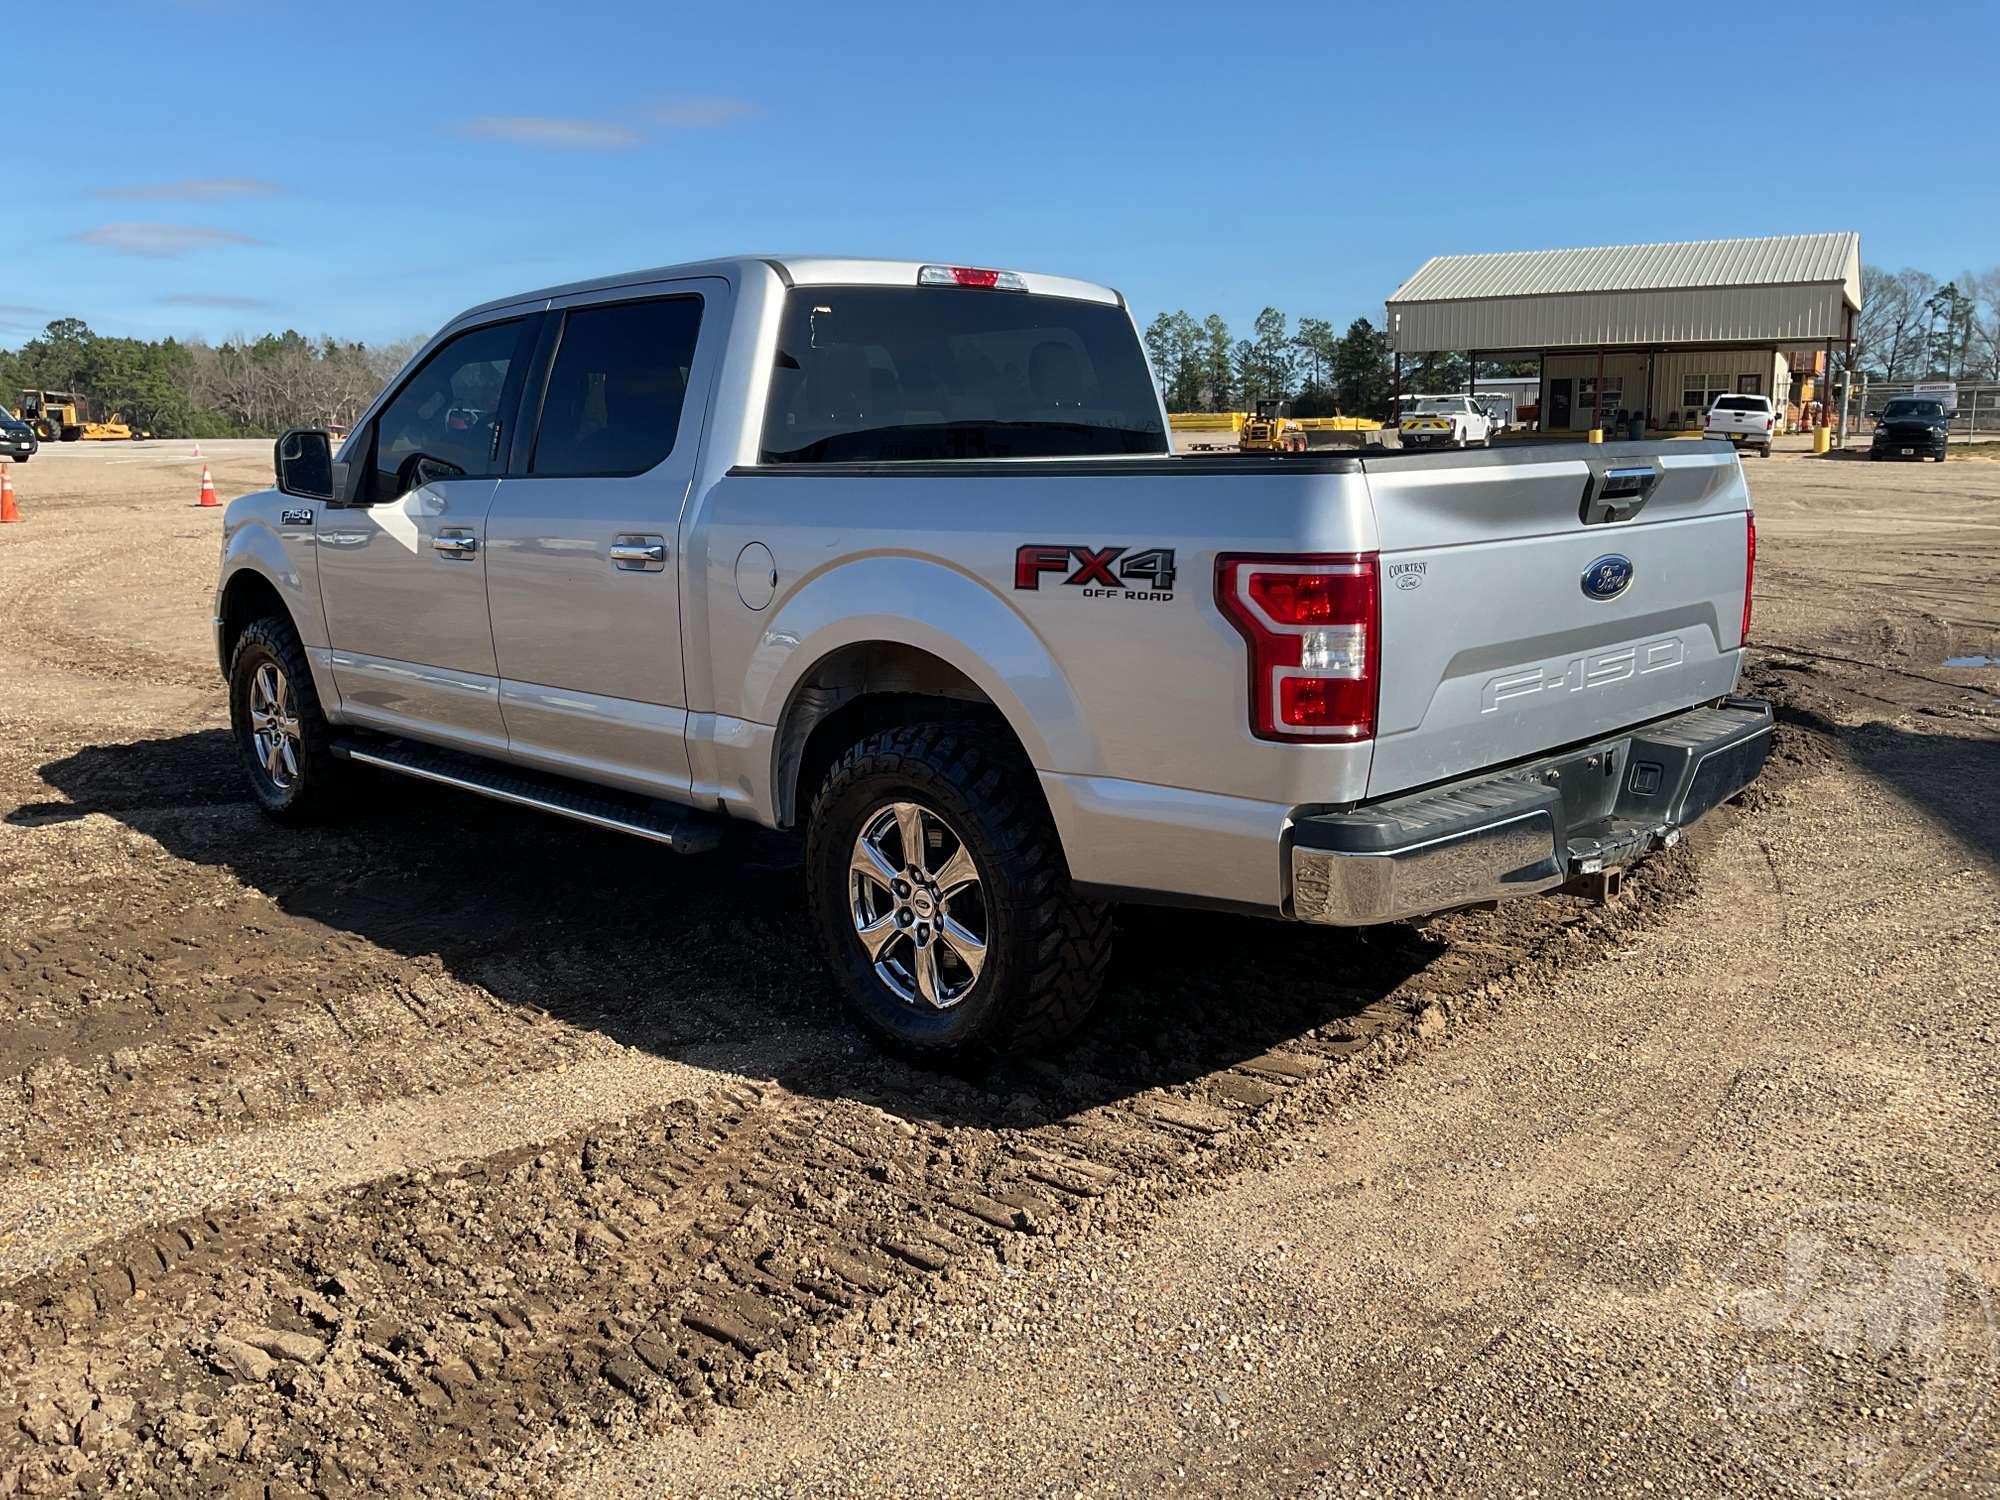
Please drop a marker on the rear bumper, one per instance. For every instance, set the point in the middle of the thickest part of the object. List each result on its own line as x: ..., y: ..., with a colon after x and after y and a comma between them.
x: 1528, y: 829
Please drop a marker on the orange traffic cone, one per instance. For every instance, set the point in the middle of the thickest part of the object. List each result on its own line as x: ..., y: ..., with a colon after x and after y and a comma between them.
x: 208, y: 488
x: 197, y: 450
x: 9, y: 511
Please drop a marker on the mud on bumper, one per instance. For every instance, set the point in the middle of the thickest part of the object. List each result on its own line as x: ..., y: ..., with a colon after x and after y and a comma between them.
x: 1530, y: 828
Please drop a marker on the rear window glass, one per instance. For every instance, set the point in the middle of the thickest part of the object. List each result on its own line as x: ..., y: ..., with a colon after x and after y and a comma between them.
x: 910, y: 373
x: 1742, y: 403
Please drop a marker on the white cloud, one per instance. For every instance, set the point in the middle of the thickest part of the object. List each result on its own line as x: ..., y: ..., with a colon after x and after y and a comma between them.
x: 162, y: 241
x: 193, y: 190
x: 543, y: 130
x: 700, y: 112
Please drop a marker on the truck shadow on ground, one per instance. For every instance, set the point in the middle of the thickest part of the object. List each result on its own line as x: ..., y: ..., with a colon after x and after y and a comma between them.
x: 707, y: 958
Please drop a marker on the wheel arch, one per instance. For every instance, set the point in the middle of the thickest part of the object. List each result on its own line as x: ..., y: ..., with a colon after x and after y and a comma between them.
x: 855, y: 690
x: 946, y: 638
x: 247, y: 596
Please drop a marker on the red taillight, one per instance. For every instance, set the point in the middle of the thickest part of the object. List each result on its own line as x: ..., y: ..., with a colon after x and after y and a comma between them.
x: 1749, y: 568
x: 1314, y: 627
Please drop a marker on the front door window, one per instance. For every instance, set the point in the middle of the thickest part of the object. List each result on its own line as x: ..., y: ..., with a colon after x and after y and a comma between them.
x: 449, y: 413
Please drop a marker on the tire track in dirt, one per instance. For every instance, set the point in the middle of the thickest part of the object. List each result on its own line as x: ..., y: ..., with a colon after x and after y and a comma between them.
x: 40, y: 625
x: 434, y: 1324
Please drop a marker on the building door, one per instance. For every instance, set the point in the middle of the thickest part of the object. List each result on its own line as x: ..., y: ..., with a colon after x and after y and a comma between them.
x: 1559, y: 397
x: 1749, y: 385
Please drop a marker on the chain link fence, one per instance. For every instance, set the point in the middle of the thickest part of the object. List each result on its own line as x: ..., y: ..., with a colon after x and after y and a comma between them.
x: 1977, y: 416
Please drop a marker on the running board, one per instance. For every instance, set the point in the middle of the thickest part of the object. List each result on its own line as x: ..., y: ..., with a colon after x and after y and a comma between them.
x: 683, y: 830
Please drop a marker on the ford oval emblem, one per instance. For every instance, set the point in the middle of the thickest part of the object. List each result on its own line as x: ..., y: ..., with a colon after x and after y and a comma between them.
x: 1608, y: 577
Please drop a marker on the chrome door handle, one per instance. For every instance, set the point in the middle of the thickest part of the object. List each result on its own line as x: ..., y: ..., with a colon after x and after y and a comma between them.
x: 455, y: 546
x: 636, y: 554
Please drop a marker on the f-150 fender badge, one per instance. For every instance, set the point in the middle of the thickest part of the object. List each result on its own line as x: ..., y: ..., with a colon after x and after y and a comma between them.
x: 1100, y: 572
x: 1608, y: 576
x: 295, y: 518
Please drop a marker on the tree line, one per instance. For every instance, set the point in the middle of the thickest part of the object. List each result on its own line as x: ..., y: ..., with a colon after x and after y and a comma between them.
x: 175, y: 388
x: 1201, y: 366
x: 1914, y: 327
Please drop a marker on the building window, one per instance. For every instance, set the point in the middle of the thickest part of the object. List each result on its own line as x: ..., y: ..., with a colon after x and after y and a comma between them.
x: 1614, y: 393
x: 1749, y: 385
x: 1700, y: 391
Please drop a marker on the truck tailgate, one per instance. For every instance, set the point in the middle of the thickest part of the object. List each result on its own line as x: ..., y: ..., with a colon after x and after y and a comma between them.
x: 1504, y: 634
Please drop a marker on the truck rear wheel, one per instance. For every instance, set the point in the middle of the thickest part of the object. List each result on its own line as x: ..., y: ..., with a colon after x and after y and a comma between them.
x: 942, y: 900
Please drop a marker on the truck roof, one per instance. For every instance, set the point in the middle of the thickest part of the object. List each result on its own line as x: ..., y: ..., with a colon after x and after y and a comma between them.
x: 800, y: 270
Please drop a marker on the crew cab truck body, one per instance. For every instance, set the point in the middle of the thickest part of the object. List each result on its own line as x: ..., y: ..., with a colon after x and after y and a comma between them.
x: 1746, y: 421
x: 1444, y: 422
x: 898, y: 556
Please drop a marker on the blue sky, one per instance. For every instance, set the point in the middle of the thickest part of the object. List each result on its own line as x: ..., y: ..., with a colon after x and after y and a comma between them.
x: 236, y: 165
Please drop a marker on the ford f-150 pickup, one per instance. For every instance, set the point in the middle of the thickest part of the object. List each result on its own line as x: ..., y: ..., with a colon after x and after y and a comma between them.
x: 1445, y: 422
x: 898, y: 555
x: 1746, y: 421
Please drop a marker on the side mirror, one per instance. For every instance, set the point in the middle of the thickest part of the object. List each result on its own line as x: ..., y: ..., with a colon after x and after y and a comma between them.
x: 304, y: 460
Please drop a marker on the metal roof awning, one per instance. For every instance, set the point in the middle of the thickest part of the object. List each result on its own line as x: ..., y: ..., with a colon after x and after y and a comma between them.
x: 1784, y: 289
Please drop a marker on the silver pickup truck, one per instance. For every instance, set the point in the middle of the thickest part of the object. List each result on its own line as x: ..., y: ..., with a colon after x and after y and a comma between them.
x: 898, y: 555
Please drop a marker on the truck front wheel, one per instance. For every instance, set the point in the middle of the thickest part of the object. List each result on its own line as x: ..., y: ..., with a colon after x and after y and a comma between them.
x: 282, y: 736
x: 942, y: 900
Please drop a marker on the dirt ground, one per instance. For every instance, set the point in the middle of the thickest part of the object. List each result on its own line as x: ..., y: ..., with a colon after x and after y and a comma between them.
x: 458, y: 1150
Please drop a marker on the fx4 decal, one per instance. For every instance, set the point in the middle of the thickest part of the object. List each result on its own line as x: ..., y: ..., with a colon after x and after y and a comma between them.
x: 1101, y: 572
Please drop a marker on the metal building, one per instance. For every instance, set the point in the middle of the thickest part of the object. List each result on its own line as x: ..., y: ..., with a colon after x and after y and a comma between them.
x: 1655, y: 331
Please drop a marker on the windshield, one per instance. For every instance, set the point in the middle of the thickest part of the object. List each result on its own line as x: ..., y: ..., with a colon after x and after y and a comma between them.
x: 902, y: 373
x: 1912, y: 410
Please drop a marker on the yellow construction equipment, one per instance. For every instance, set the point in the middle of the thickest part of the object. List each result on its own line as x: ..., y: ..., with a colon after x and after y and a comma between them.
x: 64, y: 417
x: 1272, y: 428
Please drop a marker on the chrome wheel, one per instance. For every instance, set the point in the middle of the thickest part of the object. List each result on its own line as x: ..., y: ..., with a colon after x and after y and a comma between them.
x: 274, y: 725
x: 918, y: 905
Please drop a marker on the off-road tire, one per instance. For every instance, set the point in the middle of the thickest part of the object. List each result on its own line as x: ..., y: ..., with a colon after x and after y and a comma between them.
x: 1047, y: 947
x: 315, y: 793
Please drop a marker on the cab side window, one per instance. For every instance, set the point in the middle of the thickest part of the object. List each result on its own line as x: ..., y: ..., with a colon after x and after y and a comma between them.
x: 616, y: 388
x: 450, y: 412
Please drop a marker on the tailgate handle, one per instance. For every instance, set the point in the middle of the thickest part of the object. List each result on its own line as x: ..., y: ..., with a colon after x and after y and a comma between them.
x: 1616, y: 493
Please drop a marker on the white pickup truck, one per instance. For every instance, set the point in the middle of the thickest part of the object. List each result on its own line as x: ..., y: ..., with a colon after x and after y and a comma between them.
x: 1444, y: 422
x: 1746, y: 421
x: 898, y: 555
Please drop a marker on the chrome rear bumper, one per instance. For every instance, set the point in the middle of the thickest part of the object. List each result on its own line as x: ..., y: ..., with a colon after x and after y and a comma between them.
x: 1528, y: 829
